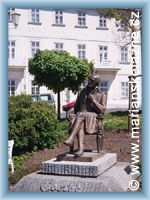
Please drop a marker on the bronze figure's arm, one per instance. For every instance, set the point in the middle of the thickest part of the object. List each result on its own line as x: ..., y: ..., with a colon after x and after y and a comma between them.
x: 99, y: 107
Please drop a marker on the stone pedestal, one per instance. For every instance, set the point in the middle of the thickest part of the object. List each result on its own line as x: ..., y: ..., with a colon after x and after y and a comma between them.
x: 103, y: 174
x: 115, y: 179
x: 76, y: 168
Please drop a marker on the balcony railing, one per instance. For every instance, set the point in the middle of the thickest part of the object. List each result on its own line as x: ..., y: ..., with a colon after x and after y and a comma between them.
x: 108, y: 65
x: 17, y: 63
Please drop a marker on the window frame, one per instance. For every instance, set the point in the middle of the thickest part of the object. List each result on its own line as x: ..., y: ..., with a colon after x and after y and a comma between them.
x: 103, y: 20
x: 10, y: 86
x: 124, y: 55
x: 58, y: 17
x: 81, y: 20
x: 11, y: 49
x: 81, y: 51
x: 122, y: 27
x: 35, y: 48
x: 104, y: 88
x: 60, y: 46
x: 125, y: 90
x: 35, y: 16
x: 35, y: 88
x: 103, y: 53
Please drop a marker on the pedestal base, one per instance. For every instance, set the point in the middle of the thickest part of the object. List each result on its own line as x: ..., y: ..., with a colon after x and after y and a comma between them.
x: 115, y: 179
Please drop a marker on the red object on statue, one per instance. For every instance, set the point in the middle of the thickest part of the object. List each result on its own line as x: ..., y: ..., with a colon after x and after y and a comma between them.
x: 68, y: 106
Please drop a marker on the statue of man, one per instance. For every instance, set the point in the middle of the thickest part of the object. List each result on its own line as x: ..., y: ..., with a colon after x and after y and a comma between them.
x: 87, y: 115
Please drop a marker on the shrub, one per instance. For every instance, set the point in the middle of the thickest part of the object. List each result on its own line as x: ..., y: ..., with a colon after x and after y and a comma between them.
x: 32, y: 125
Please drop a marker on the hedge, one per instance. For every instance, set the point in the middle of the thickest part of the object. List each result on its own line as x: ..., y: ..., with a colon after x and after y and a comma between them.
x: 32, y: 125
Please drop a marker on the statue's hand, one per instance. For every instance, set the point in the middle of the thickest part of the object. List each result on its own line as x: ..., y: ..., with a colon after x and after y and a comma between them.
x: 91, y: 97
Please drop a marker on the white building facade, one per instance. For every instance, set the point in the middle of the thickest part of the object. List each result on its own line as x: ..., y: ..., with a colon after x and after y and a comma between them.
x: 85, y: 34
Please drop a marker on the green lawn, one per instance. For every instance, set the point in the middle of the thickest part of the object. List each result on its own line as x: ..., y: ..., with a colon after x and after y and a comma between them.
x: 117, y: 120
x: 112, y: 121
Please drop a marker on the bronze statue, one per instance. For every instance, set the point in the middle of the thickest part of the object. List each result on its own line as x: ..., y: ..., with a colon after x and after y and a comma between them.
x: 87, y: 115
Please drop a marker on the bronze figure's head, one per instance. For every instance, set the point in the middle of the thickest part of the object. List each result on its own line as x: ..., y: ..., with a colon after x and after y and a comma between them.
x: 94, y: 80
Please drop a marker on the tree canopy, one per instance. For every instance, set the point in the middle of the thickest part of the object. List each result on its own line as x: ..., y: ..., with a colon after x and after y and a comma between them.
x: 58, y: 70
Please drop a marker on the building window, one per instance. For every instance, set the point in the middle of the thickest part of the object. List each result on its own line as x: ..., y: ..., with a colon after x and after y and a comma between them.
x: 34, y: 47
x: 35, y: 89
x: 58, y: 17
x: 9, y: 16
x: 124, y: 55
x: 82, y: 51
x: 103, y: 53
x: 102, y: 21
x: 11, y: 49
x: 124, y: 90
x: 81, y: 18
x: 11, y: 87
x: 35, y: 16
x: 121, y: 26
x: 59, y: 46
x: 104, y: 86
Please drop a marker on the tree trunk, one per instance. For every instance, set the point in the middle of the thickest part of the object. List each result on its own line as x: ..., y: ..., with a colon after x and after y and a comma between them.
x: 58, y: 105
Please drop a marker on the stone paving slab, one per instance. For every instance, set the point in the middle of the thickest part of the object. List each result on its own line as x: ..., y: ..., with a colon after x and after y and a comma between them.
x: 75, y: 168
x: 115, y: 179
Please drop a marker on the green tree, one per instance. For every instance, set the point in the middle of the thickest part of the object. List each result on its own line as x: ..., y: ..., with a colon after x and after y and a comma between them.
x: 58, y: 70
x: 125, y: 17
x: 122, y: 15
